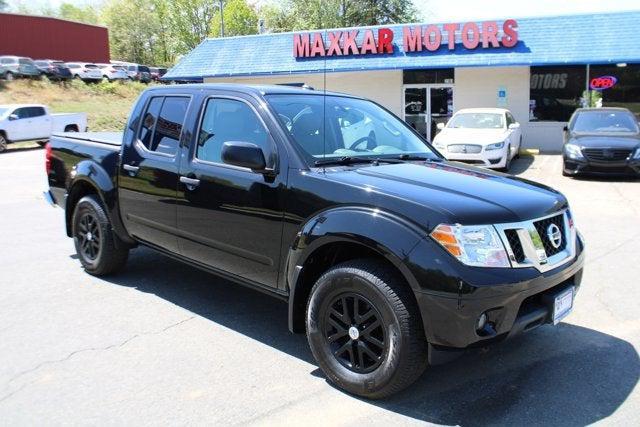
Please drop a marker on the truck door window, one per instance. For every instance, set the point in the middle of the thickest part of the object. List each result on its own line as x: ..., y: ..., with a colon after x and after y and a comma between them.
x: 162, y: 123
x: 169, y: 125
x: 228, y: 120
x: 22, y: 113
x: 36, y: 112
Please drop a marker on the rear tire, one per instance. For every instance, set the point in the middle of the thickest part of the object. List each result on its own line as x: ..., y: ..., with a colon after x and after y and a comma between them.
x: 389, y: 351
x: 98, y: 248
x: 3, y: 143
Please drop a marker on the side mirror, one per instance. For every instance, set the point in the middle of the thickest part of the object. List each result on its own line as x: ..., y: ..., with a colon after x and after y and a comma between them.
x: 245, y: 155
x: 565, y: 128
x: 515, y: 125
x: 440, y: 126
x: 13, y: 117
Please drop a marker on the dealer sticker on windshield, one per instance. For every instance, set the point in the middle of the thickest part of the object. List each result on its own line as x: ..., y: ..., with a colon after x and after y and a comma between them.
x: 562, y: 305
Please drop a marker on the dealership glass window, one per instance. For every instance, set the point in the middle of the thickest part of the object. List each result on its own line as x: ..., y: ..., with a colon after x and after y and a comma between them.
x: 440, y: 75
x: 556, y: 92
x: 624, y: 93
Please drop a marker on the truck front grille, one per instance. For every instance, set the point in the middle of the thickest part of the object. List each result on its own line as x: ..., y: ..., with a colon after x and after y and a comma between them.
x: 529, y: 244
x: 542, y: 227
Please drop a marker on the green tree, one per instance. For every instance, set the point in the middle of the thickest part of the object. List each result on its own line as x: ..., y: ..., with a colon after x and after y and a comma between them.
x: 133, y: 30
x: 191, y: 22
x: 87, y: 14
x: 239, y: 20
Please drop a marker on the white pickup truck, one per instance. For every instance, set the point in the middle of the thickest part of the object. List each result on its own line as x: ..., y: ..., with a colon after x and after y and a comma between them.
x: 34, y: 122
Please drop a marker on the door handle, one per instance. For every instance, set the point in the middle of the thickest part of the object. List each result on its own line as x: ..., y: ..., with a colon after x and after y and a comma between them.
x: 133, y: 170
x: 191, y: 183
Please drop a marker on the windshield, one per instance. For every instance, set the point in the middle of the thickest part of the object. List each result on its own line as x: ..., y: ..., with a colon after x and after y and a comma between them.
x: 477, y: 121
x: 605, y: 121
x: 342, y: 127
x: 90, y: 66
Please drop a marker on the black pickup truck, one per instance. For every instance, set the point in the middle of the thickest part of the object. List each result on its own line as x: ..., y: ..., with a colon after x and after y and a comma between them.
x: 389, y: 256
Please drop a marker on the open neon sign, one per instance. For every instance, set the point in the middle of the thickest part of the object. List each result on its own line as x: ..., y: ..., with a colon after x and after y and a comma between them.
x: 602, y: 83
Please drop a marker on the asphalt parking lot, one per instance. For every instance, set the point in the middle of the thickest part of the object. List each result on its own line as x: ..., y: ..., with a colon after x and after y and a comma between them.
x: 163, y: 343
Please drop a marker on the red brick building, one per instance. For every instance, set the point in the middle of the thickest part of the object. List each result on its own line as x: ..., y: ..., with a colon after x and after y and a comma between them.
x: 41, y: 37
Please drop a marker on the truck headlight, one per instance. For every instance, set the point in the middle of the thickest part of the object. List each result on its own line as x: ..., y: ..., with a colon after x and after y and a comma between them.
x: 473, y: 245
x: 496, y: 146
x: 573, y: 151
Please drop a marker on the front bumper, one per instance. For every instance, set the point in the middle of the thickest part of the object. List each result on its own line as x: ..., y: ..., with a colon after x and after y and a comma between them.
x: 512, y: 307
x: 590, y: 167
x: 495, y: 159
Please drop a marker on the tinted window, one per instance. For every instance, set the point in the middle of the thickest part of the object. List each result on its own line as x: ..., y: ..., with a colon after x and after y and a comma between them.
x: 606, y: 121
x: 90, y: 66
x: 132, y: 67
x: 556, y: 92
x: 624, y: 93
x: 228, y: 120
x: 22, y: 113
x: 25, y: 61
x: 444, y: 75
x: 162, y: 124
x: 73, y: 65
x: 149, y: 121
x: 36, y: 111
x: 42, y: 63
x: 9, y: 61
x: 143, y: 69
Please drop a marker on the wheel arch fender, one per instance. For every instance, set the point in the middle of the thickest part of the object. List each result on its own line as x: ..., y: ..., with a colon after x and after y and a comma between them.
x: 363, y: 231
x: 88, y: 177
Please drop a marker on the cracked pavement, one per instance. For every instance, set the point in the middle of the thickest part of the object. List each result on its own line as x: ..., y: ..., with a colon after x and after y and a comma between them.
x: 163, y: 343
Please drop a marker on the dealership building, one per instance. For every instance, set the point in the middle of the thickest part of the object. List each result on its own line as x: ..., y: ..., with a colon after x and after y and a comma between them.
x: 541, y: 68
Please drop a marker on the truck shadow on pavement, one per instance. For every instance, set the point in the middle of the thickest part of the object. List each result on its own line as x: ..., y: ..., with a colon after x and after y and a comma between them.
x: 567, y: 375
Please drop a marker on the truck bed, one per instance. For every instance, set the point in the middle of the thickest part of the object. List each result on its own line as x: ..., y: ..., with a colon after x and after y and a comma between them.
x: 109, y: 138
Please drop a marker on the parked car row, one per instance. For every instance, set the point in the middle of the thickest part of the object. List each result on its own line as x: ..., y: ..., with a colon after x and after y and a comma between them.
x: 596, y: 140
x: 12, y: 67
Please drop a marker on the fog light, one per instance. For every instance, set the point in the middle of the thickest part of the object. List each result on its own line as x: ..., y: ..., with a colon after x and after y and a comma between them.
x: 482, y: 321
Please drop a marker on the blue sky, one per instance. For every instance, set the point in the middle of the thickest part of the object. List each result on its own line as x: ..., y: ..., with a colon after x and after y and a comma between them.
x: 458, y: 10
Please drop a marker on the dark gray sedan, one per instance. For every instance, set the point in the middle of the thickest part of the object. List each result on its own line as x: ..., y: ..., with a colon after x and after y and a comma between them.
x: 602, y: 141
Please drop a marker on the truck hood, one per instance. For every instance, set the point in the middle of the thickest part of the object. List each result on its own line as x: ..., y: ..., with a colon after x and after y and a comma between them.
x: 470, y: 136
x: 459, y: 193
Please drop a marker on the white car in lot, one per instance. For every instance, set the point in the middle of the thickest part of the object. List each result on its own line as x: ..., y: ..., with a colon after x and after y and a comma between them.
x: 113, y: 72
x: 488, y: 137
x: 85, y: 71
x: 34, y: 122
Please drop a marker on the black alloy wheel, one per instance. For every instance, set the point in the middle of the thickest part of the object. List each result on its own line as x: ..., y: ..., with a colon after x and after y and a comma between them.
x: 354, y: 330
x: 89, y: 236
x: 99, y: 249
x: 365, y: 329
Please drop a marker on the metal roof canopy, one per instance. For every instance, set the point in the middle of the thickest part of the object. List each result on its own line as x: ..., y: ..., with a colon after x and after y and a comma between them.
x: 553, y: 40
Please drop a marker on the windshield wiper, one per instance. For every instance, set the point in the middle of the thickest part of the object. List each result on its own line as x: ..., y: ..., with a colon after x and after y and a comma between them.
x: 409, y: 157
x: 349, y: 160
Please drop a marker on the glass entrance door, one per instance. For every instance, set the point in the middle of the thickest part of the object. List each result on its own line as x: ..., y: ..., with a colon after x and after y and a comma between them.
x: 427, y: 105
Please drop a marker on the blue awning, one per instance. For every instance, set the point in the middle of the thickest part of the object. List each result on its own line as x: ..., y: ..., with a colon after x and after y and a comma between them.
x: 571, y: 39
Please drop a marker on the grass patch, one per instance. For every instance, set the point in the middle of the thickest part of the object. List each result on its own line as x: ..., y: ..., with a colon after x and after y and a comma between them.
x: 107, y: 104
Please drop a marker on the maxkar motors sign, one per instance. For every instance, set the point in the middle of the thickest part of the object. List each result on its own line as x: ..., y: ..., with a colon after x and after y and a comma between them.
x: 416, y: 38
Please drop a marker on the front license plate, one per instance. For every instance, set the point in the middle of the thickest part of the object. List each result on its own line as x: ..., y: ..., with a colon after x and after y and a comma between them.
x: 562, y: 305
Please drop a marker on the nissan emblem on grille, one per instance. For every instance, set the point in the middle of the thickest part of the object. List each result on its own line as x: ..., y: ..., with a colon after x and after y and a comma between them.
x: 554, y: 235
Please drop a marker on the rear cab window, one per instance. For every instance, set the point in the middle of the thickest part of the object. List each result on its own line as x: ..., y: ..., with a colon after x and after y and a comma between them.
x: 162, y: 124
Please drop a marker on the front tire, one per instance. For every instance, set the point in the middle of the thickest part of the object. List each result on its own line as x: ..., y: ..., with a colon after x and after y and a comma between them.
x: 365, y: 329
x: 98, y: 248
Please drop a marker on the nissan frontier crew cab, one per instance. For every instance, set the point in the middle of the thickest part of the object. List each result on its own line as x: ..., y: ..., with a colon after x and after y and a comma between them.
x: 390, y: 257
